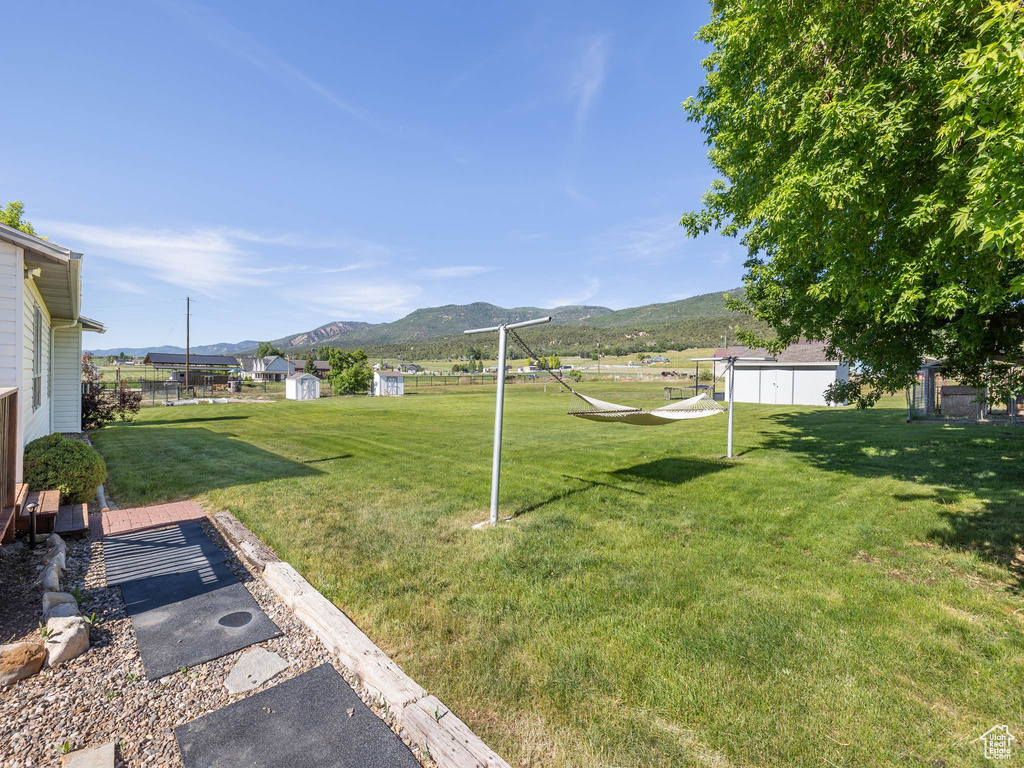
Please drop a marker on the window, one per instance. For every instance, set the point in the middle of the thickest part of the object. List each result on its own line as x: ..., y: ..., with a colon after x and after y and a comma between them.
x: 37, y: 358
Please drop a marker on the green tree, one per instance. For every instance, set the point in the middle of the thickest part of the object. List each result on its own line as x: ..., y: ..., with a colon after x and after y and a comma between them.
x: 871, y: 163
x: 13, y: 215
x: 310, y: 366
x: 266, y: 349
x: 350, y: 372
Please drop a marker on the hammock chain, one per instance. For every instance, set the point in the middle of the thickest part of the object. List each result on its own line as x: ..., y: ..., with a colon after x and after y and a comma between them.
x: 533, y: 356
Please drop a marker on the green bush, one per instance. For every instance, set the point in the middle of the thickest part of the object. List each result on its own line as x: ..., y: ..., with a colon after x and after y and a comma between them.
x: 70, y: 466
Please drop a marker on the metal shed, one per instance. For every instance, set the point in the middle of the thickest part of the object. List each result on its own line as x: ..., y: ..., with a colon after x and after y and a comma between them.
x: 302, y: 386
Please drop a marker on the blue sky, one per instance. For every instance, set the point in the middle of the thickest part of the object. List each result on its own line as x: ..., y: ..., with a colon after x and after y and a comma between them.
x: 291, y: 164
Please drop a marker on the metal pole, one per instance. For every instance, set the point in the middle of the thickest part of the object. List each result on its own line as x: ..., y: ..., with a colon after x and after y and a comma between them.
x: 188, y: 337
x: 498, y: 414
x: 732, y: 398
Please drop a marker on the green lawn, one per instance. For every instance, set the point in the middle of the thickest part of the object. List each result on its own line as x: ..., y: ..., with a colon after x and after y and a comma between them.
x: 847, y: 592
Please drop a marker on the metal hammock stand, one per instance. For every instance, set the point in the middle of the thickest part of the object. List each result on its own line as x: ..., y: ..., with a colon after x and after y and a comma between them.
x: 590, y: 407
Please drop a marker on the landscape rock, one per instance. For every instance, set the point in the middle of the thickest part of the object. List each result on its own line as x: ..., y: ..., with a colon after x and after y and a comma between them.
x: 94, y: 757
x: 68, y: 638
x: 20, y: 660
x: 253, y: 669
x: 53, y: 540
x: 63, y: 610
x: 51, y: 578
x: 53, y: 599
x: 12, y: 549
x: 56, y: 557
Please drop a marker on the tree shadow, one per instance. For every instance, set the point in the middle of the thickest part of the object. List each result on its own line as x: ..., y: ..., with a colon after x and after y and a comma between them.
x: 675, y: 471
x: 963, y: 462
x: 190, y: 420
x: 156, y: 465
x: 587, y: 485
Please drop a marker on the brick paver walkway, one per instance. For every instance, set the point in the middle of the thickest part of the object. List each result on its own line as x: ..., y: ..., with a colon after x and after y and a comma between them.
x: 138, y: 518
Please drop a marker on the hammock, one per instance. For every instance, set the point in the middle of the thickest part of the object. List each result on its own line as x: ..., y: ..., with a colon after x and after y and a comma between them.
x: 600, y: 410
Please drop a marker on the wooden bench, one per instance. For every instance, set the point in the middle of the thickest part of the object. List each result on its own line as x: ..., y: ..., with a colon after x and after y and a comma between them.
x: 72, y: 520
x: 9, y: 515
x: 47, y: 507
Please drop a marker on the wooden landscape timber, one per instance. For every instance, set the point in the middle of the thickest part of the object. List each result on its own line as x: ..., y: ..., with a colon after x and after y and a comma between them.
x: 450, y: 742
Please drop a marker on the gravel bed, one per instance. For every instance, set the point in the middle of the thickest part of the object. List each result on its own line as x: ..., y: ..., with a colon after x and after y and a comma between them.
x: 103, y: 695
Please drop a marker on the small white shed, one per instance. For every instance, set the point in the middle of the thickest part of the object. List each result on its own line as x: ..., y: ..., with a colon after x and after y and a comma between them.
x: 302, y: 386
x: 388, y: 384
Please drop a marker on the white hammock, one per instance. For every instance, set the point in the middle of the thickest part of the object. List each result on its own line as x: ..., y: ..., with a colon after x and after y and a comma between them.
x: 600, y: 410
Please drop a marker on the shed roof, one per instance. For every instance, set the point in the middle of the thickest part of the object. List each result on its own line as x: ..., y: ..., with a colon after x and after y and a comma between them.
x: 168, y: 358
x: 301, y: 375
x: 800, y: 352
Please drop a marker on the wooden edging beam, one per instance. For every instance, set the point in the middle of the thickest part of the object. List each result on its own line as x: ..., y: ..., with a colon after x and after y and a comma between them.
x: 449, y: 741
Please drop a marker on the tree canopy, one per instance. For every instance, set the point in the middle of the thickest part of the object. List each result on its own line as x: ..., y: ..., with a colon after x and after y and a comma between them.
x: 871, y: 163
x: 350, y: 372
x: 266, y: 349
x: 13, y: 215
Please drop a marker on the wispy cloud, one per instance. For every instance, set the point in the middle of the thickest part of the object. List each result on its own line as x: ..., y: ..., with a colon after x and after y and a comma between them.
x: 357, y: 299
x: 588, y: 76
x: 528, y: 236
x: 653, y: 241
x: 443, y: 272
x: 209, y: 260
x: 593, y: 285
x: 238, y: 43
x: 124, y: 286
x: 204, y: 260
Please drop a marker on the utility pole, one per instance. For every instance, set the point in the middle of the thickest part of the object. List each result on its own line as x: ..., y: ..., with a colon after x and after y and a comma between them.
x: 188, y: 338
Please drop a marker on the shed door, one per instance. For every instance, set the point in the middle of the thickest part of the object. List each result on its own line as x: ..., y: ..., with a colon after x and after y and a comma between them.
x: 391, y: 385
x: 769, y: 386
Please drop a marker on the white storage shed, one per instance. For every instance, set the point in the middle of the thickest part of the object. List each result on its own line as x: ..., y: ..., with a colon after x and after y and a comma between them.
x: 799, y: 375
x: 388, y: 384
x: 302, y: 386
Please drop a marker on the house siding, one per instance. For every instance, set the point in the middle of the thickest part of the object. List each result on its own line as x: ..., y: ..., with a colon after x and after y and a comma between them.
x: 36, y: 420
x: 10, y: 314
x: 67, y: 379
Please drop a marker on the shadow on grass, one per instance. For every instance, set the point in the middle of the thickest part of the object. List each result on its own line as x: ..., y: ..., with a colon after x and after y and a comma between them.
x: 675, y: 471
x: 153, y: 465
x: 192, y: 420
x: 968, y: 461
x: 329, y: 458
x: 569, y: 492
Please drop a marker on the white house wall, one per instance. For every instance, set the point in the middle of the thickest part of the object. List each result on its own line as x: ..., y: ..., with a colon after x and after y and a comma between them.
x: 67, y: 379
x: 36, y: 420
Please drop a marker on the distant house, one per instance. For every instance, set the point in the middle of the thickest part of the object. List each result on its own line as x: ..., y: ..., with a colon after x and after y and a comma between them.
x: 799, y: 375
x: 271, y: 368
x: 656, y: 359
x: 41, y: 326
x: 530, y: 369
x: 409, y: 368
x: 199, y: 366
x: 322, y: 366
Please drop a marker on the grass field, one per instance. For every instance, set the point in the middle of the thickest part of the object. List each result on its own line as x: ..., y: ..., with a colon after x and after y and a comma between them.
x: 846, y: 592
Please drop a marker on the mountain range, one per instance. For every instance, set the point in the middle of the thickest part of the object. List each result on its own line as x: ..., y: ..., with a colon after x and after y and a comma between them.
x: 449, y: 321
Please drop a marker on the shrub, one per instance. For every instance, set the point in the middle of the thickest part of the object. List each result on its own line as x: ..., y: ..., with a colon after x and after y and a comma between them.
x: 70, y: 466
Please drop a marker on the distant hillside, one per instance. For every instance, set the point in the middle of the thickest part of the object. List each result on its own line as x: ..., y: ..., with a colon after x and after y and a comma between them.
x: 208, y: 349
x: 433, y: 331
x: 705, y: 305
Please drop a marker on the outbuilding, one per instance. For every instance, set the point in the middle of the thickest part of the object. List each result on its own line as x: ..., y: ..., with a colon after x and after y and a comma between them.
x: 799, y: 374
x: 388, y: 384
x: 302, y: 386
